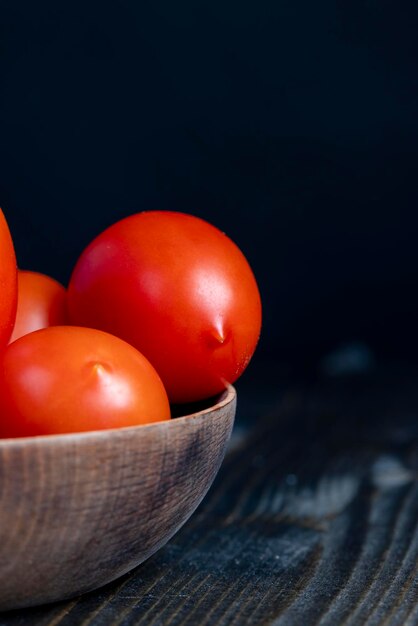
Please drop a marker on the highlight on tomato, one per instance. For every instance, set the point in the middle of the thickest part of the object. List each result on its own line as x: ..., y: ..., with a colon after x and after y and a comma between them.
x: 66, y: 379
x: 41, y: 302
x: 8, y: 282
x: 180, y: 291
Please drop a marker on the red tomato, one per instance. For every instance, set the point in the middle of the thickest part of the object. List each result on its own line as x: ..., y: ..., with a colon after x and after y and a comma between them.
x: 41, y: 302
x: 8, y: 282
x: 65, y: 379
x: 177, y: 289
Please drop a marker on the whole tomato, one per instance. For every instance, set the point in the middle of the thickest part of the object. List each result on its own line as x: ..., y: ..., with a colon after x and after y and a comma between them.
x: 41, y: 302
x: 8, y: 282
x: 64, y: 379
x: 177, y: 289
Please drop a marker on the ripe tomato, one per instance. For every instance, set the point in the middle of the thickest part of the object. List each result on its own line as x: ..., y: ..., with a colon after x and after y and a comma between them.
x: 66, y: 379
x: 177, y: 289
x: 41, y: 302
x: 8, y: 282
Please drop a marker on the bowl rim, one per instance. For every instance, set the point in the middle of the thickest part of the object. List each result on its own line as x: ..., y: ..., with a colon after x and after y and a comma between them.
x: 224, y: 398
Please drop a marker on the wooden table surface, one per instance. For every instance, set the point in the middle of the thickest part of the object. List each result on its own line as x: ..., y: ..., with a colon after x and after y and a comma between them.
x: 313, y: 518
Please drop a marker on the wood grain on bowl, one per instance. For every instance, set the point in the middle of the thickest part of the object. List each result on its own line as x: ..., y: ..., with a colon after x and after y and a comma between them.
x: 77, y: 511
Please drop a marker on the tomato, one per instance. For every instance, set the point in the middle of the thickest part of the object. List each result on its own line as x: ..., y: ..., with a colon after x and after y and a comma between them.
x: 177, y: 289
x: 41, y: 302
x: 65, y: 379
x: 8, y: 282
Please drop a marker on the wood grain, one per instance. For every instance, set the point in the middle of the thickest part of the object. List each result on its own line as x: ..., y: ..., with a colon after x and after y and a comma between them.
x: 77, y: 511
x: 312, y: 520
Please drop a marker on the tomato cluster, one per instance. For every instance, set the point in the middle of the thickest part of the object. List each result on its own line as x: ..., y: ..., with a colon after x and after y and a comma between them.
x: 161, y: 308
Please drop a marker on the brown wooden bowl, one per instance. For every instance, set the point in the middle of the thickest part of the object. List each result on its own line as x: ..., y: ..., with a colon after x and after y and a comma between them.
x: 79, y: 510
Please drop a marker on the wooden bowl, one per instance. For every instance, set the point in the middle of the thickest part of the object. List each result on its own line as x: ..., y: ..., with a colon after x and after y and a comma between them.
x: 79, y: 510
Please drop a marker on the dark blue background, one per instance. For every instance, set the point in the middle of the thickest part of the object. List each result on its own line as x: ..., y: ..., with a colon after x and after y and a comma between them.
x: 290, y: 124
